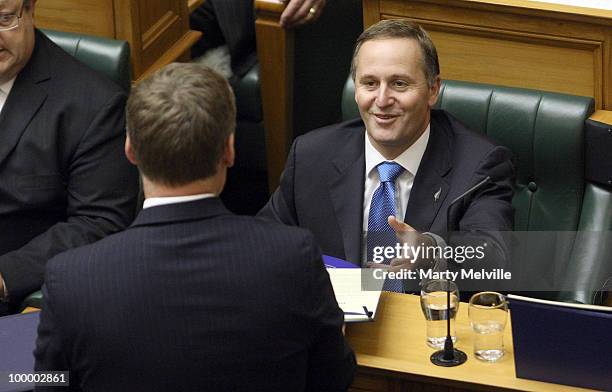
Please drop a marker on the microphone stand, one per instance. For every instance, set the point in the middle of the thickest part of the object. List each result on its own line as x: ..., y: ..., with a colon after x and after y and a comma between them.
x: 450, y: 356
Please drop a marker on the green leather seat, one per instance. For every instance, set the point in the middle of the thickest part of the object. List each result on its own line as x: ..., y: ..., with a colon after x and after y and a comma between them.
x: 108, y: 56
x: 546, y: 133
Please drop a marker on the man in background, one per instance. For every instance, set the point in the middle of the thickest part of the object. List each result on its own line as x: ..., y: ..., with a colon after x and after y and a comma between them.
x: 64, y: 179
x: 192, y: 297
x: 228, y: 28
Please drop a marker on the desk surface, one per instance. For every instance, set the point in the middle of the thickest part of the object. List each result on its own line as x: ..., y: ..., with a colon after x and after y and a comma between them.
x: 395, y: 343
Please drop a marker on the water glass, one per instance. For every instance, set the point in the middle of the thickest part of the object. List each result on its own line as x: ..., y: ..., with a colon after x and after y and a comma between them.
x: 488, y: 313
x: 435, y: 309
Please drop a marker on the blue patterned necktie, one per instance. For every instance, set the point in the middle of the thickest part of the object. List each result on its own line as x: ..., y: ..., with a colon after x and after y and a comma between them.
x: 381, y: 207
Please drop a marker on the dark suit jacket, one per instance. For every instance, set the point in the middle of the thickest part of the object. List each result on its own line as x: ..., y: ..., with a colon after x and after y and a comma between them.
x: 193, y: 298
x: 227, y: 22
x: 65, y: 180
x: 323, y: 182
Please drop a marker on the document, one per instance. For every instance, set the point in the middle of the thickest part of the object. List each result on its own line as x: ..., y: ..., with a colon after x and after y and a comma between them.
x: 358, y: 305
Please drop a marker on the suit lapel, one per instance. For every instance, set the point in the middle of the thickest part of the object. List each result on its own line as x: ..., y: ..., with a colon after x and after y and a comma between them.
x: 24, y: 100
x: 346, y: 185
x: 430, y: 186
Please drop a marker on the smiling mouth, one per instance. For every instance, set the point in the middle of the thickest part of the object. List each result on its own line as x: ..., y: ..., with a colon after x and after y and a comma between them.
x: 384, y: 118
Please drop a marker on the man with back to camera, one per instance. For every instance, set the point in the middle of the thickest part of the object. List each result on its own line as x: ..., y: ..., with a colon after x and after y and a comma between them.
x: 401, y: 159
x: 191, y: 295
x: 65, y: 181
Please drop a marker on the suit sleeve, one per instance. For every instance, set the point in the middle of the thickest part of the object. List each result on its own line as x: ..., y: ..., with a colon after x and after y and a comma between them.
x: 489, y: 212
x: 51, y: 349
x: 102, y: 188
x: 281, y: 206
x: 331, y: 362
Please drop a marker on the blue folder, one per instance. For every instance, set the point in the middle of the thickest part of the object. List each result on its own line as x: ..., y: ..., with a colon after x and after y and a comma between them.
x: 334, y: 262
x: 562, y: 344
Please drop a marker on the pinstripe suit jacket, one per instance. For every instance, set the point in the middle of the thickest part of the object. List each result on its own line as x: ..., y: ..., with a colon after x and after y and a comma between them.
x: 191, y: 297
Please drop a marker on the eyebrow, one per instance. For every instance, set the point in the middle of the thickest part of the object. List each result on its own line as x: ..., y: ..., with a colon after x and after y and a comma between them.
x: 394, y: 76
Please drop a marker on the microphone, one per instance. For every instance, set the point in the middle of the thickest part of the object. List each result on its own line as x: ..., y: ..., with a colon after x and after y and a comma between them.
x: 450, y: 356
x: 456, y: 202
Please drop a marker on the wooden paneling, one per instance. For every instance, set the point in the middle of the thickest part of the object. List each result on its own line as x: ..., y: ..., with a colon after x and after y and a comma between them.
x: 515, y: 43
x: 501, y: 59
x: 157, y: 30
x: 91, y: 16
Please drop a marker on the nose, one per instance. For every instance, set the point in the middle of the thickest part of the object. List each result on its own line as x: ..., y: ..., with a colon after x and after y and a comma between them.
x: 384, y: 96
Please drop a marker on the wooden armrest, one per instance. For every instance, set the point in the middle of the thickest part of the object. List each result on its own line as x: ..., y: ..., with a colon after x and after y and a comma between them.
x: 602, y: 116
x: 275, y: 54
x: 193, y: 4
x: 270, y: 7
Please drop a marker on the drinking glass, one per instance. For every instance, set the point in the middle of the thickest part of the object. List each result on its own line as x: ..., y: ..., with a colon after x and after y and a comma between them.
x: 488, y: 313
x: 435, y: 309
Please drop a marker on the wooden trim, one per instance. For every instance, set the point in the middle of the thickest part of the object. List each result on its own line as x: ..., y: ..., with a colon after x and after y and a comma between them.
x: 173, y: 54
x: 528, y: 7
x: 127, y: 28
x: 271, y: 9
x: 192, y: 5
x: 602, y: 116
x: 371, y: 13
x: 152, y: 35
x: 275, y: 47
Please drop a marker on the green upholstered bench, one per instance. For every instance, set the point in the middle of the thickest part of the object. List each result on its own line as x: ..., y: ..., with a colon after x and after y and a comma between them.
x: 546, y: 132
x: 107, y: 56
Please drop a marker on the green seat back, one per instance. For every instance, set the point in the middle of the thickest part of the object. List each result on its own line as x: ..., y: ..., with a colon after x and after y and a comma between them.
x: 107, y: 56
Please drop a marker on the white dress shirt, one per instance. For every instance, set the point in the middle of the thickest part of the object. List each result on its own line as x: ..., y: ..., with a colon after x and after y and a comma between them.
x: 5, y: 89
x: 410, y: 160
x: 160, y: 201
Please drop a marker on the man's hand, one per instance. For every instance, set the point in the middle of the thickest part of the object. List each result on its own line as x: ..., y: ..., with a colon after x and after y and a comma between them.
x: 300, y: 12
x: 408, y: 236
x: 2, y: 292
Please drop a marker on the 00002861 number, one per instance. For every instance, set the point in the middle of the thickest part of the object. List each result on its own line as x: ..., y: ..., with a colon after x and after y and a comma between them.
x: 42, y: 378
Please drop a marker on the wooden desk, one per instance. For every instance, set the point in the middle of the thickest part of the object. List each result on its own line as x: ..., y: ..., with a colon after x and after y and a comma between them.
x: 516, y: 43
x: 392, y: 355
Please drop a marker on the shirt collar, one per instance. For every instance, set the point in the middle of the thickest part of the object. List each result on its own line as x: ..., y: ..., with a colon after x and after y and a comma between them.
x: 160, y: 201
x: 410, y: 159
x: 6, y: 87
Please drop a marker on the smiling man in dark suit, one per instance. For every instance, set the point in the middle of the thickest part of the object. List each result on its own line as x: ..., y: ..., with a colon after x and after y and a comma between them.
x: 65, y: 181
x: 395, y: 170
x: 191, y: 297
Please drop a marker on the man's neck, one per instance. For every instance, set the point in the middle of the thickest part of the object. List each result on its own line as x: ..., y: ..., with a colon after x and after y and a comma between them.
x: 210, y: 185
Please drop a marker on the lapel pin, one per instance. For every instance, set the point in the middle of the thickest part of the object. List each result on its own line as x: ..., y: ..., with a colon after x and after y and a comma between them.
x: 437, y: 194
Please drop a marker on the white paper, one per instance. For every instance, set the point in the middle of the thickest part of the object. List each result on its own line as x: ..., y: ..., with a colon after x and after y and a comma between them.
x: 351, y: 299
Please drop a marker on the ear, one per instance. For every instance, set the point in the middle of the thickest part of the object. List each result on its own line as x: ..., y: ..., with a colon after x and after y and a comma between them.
x: 229, y: 153
x: 129, y: 151
x: 434, y: 92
